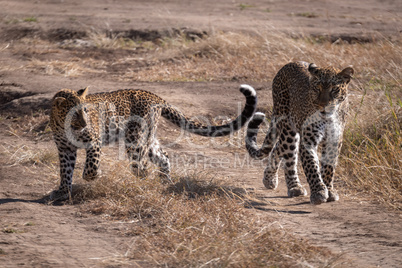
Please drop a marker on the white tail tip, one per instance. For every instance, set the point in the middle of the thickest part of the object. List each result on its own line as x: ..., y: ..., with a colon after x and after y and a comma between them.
x: 249, y: 88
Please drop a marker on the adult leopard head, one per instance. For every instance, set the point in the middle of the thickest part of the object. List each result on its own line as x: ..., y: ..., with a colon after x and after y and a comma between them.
x: 329, y: 84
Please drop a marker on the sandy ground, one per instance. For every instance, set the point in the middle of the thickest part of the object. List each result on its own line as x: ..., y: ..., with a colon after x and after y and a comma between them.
x: 61, y: 236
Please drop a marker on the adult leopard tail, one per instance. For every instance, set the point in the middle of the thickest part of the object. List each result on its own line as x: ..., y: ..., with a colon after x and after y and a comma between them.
x: 178, y: 118
x: 251, y: 137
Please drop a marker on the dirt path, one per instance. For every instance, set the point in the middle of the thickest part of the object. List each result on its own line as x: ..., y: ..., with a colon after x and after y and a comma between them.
x: 34, y: 234
x: 362, y: 231
x: 350, y: 18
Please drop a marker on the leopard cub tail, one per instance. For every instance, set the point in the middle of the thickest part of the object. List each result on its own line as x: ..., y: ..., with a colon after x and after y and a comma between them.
x: 176, y: 117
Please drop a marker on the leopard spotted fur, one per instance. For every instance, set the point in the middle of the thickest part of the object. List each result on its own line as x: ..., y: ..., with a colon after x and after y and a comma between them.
x: 310, y: 105
x: 89, y: 121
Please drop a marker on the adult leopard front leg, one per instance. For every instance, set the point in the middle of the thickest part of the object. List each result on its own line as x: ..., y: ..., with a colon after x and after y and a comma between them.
x: 67, y: 158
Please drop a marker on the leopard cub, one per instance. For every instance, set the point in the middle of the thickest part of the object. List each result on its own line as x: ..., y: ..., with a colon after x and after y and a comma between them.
x: 89, y: 121
x: 310, y: 106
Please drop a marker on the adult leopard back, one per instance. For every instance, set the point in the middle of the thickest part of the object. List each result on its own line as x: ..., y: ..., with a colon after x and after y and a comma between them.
x: 310, y: 106
x: 89, y: 121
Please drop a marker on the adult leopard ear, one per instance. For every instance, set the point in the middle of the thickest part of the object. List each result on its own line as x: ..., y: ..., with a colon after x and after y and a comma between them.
x: 313, y: 69
x: 347, y: 74
x: 59, y: 101
x: 83, y: 92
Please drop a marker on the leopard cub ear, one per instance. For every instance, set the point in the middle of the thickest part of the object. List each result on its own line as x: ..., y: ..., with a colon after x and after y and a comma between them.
x: 347, y: 74
x: 83, y: 92
x: 313, y: 69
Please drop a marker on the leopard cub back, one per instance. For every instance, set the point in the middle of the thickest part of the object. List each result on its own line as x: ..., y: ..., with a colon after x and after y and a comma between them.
x: 310, y: 106
x: 88, y: 121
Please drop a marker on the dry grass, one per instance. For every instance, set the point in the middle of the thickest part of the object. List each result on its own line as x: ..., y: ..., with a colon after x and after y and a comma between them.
x: 371, y: 159
x: 221, y: 56
x: 234, y: 56
x: 194, y: 222
x: 28, y: 156
x: 71, y: 68
x: 34, y: 126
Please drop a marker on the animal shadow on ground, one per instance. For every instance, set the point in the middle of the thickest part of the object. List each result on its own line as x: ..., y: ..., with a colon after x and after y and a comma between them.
x: 197, y: 189
x: 42, y: 200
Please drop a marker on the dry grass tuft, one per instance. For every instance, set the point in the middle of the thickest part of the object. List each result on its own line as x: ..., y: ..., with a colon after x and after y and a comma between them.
x: 72, y: 68
x: 28, y: 156
x: 35, y: 126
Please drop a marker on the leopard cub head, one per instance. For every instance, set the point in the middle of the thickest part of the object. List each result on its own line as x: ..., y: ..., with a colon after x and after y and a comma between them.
x: 329, y: 85
x: 69, y: 105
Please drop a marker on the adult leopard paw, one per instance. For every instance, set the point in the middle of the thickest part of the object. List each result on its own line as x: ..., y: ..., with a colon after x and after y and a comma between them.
x: 319, y: 197
x: 298, y: 190
x: 332, y: 196
x: 270, y: 182
x: 58, y: 195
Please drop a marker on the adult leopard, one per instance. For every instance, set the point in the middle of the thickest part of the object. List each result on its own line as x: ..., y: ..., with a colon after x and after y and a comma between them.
x: 81, y: 120
x: 310, y: 105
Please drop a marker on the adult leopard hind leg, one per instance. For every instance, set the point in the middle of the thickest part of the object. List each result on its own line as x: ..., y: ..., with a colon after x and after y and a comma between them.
x: 288, y: 144
x: 270, y: 179
x: 268, y: 149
